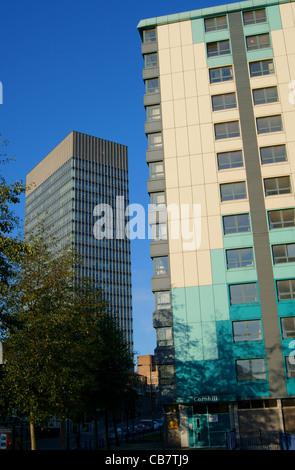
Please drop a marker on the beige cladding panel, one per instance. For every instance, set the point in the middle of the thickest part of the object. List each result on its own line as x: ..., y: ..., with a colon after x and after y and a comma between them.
x: 189, y: 152
x: 284, y: 55
x: 287, y: 12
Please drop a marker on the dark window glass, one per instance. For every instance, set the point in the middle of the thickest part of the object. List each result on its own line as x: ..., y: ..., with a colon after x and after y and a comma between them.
x: 149, y: 35
x: 232, y: 159
x: 250, y: 369
x: 290, y: 368
x: 243, y: 293
x: 164, y: 336
x: 288, y: 327
x: 259, y: 41
x: 283, y: 253
x: 225, y: 130
x: 151, y: 60
x: 248, y: 330
x: 265, y: 95
x: 239, y: 258
x: 226, y: 101
x: 276, y: 186
x: 236, y: 223
x: 215, y: 24
x: 261, y: 67
x: 161, y: 266
x: 156, y: 170
x: 281, y: 218
x: 218, y: 48
x: 233, y: 191
x: 269, y: 124
x: 273, y: 154
x: 221, y: 74
x: 152, y: 85
x: 153, y: 113
x: 163, y: 300
x: 254, y: 17
x: 286, y: 290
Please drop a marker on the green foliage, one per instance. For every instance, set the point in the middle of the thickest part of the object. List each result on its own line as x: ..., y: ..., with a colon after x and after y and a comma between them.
x: 63, y: 348
x: 11, y: 248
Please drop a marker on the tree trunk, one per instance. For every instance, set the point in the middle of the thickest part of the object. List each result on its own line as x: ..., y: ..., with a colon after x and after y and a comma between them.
x: 33, y: 436
x: 107, y: 429
x: 116, y: 430
x: 63, y: 434
x: 95, y: 430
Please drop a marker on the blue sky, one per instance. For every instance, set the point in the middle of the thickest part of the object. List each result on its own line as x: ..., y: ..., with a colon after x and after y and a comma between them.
x: 76, y: 65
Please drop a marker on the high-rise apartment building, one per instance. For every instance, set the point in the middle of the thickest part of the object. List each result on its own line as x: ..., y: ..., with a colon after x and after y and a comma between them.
x: 219, y: 99
x: 75, y: 186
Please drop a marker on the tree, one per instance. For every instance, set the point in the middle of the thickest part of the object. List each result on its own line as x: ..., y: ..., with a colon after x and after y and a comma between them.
x: 11, y: 247
x: 62, y: 345
x: 110, y: 368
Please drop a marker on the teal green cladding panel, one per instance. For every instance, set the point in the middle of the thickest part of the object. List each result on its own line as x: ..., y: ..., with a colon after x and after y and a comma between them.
x: 218, y: 266
x: 192, y: 304
x: 274, y: 17
x: 207, y: 304
x: 221, y: 307
x: 285, y: 235
x: 227, y: 378
x: 198, y: 31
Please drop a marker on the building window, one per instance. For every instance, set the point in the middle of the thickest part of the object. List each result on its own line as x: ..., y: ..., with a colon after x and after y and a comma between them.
x: 151, y: 60
x: 164, y: 336
x: 283, y: 253
x: 269, y: 124
x: 290, y: 368
x: 149, y: 35
x: 259, y: 41
x: 237, y: 223
x: 226, y: 101
x: 248, y: 330
x: 239, y: 258
x: 281, y: 218
x: 226, y: 130
x: 155, y: 141
x: 233, y: 191
x: 288, y: 327
x: 166, y: 374
x: 250, y: 370
x: 243, y: 293
x: 221, y: 74
x: 159, y: 231
x: 215, y: 24
x: 163, y: 300
x: 261, y: 67
x: 156, y: 170
x: 153, y: 113
x: 233, y: 159
x: 254, y: 17
x: 152, y: 85
x: 276, y: 186
x: 265, y: 95
x: 218, y: 48
x: 273, y: 154
x: 248, y: 404
x: 286, y: 291
x: 161, y: 266
x: 158, y: 198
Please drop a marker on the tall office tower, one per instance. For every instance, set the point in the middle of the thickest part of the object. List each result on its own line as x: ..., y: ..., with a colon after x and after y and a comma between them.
x: 74, y: 187
x: 220, y: 125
